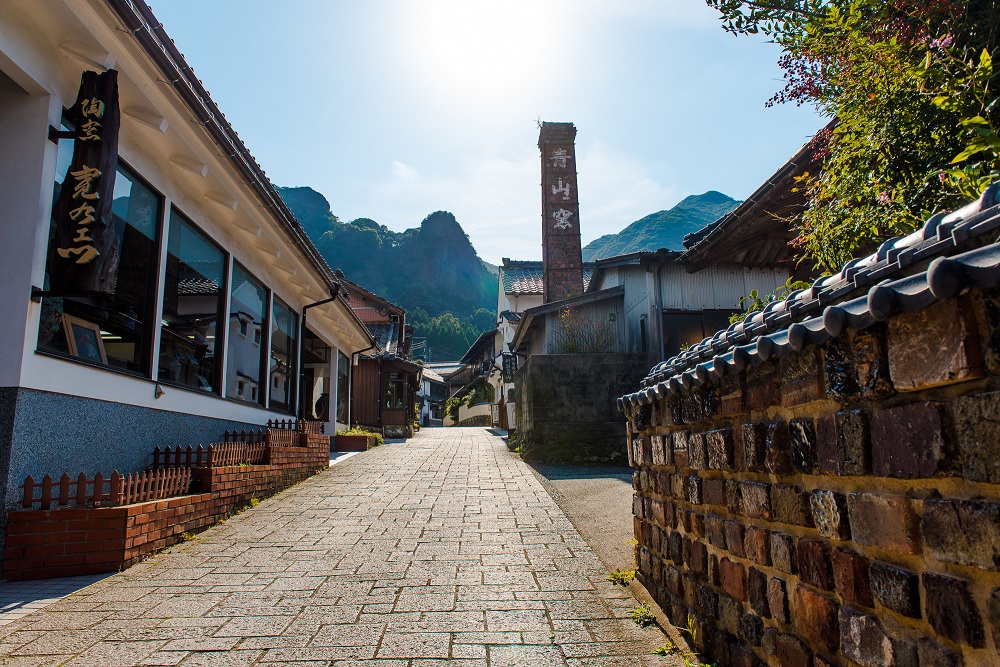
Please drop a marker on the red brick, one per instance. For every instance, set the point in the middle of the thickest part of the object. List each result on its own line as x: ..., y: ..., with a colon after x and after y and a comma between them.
x: 843, y: 446
x: 713, y: 491
x: 933, y: 347
x: 734, y: 538
x: 850, y: 576
x: 814, y: 563
x: 757, y: 545
x: 951, y: 611
x: 816, y: 618
x: 908, y: 442
x: 44, y: 549
x: 24, y: 539
x: 884, y: 521
x: 733, y: 578
x: 791, y: 651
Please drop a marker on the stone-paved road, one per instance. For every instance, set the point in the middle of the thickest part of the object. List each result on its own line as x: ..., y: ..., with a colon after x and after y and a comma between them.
x: 443, y: 550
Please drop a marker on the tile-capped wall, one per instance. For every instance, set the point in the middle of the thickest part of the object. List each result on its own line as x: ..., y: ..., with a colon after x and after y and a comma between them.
x: 838, y: 506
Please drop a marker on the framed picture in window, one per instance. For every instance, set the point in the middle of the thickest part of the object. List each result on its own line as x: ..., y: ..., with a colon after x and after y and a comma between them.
x: 84, y: 339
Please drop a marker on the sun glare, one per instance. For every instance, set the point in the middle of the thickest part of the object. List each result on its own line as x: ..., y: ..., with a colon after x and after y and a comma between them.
x: 484, y: 51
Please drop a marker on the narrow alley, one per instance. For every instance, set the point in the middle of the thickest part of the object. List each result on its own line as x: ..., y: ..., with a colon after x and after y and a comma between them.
x: 445, y: 549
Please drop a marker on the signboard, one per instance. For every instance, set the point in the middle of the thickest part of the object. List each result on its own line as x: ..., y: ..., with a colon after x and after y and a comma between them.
x: 495, y: 413
x: 84, y: 254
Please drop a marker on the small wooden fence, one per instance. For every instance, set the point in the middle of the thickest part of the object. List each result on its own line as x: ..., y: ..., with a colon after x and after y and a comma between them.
x: 170, y: 473
x: 102, y: 491
x: 217, y: 455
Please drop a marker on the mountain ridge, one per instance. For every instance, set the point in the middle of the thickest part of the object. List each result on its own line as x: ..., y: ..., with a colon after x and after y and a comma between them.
x: 663, y: 229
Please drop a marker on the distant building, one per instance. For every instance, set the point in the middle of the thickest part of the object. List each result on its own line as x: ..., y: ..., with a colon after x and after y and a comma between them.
x: 385, y: 383
x: 431, y: 398
x: 632, y: 309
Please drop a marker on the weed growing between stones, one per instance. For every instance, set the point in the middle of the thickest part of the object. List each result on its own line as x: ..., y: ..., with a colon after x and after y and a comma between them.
x: 642, y: 616
x: 622, y: 577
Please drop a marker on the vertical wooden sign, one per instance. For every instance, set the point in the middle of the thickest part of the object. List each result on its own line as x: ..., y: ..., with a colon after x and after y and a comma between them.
x: 84, y: 255
x: 561, y: 255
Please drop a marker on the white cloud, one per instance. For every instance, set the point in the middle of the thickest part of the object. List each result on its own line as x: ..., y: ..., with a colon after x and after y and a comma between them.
x: 497, y: 200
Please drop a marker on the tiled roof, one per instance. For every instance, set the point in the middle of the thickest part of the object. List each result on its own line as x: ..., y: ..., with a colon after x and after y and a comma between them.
x: 510, y: 316
x: 384, y: 334
x: 905, y: 274
x: 525, y: 277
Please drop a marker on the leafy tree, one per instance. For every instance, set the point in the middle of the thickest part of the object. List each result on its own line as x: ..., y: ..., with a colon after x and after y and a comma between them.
x: 912, y: 87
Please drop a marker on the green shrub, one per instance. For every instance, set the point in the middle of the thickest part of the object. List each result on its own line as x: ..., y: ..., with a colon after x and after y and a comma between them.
x: 358, y: 431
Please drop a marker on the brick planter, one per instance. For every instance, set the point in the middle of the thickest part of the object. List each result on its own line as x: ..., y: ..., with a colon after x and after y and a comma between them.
x: 87, y: 540
x: 354, y: 443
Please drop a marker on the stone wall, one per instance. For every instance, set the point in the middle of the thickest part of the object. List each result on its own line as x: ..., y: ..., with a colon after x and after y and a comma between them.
x: 563, y: 411
x: 837, y: 506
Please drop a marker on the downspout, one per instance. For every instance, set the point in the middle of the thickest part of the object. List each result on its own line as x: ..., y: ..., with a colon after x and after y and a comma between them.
x: 302, y: 336
x: 659, y: 310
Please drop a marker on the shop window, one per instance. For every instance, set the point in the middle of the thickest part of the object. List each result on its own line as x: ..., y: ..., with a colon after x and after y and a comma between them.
x: 284, y: 327
x: 395, y: 395
x: 110, y: 329
x: 247, y: 313
x: 193, y: 301
x: 343, y: 386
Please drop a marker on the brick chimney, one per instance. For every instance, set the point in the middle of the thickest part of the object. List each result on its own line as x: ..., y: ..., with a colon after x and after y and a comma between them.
x: 562, y: 261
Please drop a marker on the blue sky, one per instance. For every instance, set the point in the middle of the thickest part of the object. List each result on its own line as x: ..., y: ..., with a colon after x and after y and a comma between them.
x: 394, y: 109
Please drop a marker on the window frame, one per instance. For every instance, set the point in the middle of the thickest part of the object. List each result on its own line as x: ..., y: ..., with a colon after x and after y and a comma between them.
x: 151, y: 322
x: 221, y: 314
x: 263, y: 386
x: 293, y: 375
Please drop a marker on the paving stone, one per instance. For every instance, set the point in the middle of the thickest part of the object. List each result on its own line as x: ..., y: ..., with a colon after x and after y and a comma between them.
x: 444, y: 549
x: 778, y: 459
x: 993, y: 616
x: 757, y: 545
x: 757, y: 592
x: 783, y: 553
x: 932, y: 654
x: 802, y: 440
x: 719, y: 444
x: 789, y: 504
x: 697, y: 453
x: 734, y: 538
x: 755, y: 500
x: 753, y: 438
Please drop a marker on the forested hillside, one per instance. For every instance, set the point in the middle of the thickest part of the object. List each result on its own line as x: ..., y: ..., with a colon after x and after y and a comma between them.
x: 665, y: 229
x: 432, y: 271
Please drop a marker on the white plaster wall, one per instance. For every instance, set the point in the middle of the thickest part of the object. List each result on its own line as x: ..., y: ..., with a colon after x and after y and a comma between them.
x: 40, y: 48
x: 24, y: 121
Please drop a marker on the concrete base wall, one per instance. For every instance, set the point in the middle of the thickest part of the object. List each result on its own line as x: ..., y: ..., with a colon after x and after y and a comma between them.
x: 566, y: 408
